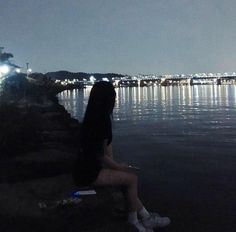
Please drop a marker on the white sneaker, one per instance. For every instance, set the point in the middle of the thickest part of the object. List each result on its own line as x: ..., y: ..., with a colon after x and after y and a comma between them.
x: 156, y: 221
x: 140, y: 228
x: 155, y: 214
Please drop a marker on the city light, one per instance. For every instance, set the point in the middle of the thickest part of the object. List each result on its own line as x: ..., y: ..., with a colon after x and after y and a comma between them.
x: 4, y: 69
x: 105, y: 79
x: 18, y: 70
x: 92, y: 79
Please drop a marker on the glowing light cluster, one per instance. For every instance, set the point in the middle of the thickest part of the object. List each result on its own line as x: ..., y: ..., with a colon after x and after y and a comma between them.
x: 18, y: 70
x: 4, y: 69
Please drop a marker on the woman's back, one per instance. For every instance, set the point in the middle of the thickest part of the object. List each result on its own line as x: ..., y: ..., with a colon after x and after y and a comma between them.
x: 96, y: 128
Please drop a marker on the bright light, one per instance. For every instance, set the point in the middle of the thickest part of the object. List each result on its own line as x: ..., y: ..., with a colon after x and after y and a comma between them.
x: 105, y: 79
x: 29, y: 70
x: 18, y: 70
x: 92, y: 79
x: 4, y: 69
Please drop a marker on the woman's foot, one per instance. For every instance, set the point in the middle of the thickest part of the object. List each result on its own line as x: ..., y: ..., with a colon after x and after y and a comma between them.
x: 155, y: 221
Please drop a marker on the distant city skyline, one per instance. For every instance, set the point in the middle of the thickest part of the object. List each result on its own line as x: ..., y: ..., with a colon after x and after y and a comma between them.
x: 121, y: 36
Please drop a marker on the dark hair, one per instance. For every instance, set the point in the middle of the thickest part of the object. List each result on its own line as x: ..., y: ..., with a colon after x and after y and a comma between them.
x: 97, y: 119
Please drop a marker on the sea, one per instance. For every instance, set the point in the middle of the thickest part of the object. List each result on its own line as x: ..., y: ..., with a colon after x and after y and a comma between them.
x: 183, y: 139
x: 201, y: 117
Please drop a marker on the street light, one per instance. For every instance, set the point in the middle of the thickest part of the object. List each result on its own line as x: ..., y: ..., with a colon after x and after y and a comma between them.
x: 4, y: 69
x: 28, y: 70
x: 18, y: 70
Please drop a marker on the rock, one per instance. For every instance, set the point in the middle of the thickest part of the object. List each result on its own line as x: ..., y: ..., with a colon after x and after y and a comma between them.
x: 45, y: 175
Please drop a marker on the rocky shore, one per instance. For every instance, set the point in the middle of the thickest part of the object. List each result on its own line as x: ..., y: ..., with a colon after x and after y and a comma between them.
x: 43, y: 174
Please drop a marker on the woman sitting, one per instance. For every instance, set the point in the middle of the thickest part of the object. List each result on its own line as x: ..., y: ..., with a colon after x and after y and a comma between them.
x: 96, y: 165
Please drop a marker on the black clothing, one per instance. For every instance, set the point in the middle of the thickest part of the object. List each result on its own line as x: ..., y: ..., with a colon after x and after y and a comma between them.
x: 89, y: 162
x: 86, y: 168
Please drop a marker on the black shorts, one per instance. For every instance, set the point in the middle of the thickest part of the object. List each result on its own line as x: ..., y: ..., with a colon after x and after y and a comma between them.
x: 85, y: 173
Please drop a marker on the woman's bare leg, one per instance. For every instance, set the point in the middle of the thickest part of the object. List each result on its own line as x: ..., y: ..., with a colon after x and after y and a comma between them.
x: 129, y: 180
x: 113, y: 177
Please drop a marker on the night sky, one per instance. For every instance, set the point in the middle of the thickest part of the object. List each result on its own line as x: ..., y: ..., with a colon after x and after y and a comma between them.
x: 123, y: 36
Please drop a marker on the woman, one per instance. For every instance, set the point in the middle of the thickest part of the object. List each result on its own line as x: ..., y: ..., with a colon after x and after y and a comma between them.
x: 96, y: 153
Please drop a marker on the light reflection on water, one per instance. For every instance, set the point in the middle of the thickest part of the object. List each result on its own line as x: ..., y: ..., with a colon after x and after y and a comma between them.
x: 202, y: 116
x: 184, y: 141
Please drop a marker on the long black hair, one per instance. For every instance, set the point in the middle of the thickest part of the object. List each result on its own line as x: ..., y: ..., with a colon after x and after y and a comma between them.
x: 97, y: 119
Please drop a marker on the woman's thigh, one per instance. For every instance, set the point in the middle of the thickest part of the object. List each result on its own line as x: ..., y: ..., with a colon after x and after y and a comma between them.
x: 114, y: 177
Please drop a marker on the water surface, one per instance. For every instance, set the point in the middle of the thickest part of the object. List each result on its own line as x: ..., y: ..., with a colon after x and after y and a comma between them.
x: 184, y: 140
x: 194, y: 116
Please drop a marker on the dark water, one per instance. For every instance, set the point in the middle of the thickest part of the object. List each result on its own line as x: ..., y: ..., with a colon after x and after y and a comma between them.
x: 184, y: 140
x: 198, y: 117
